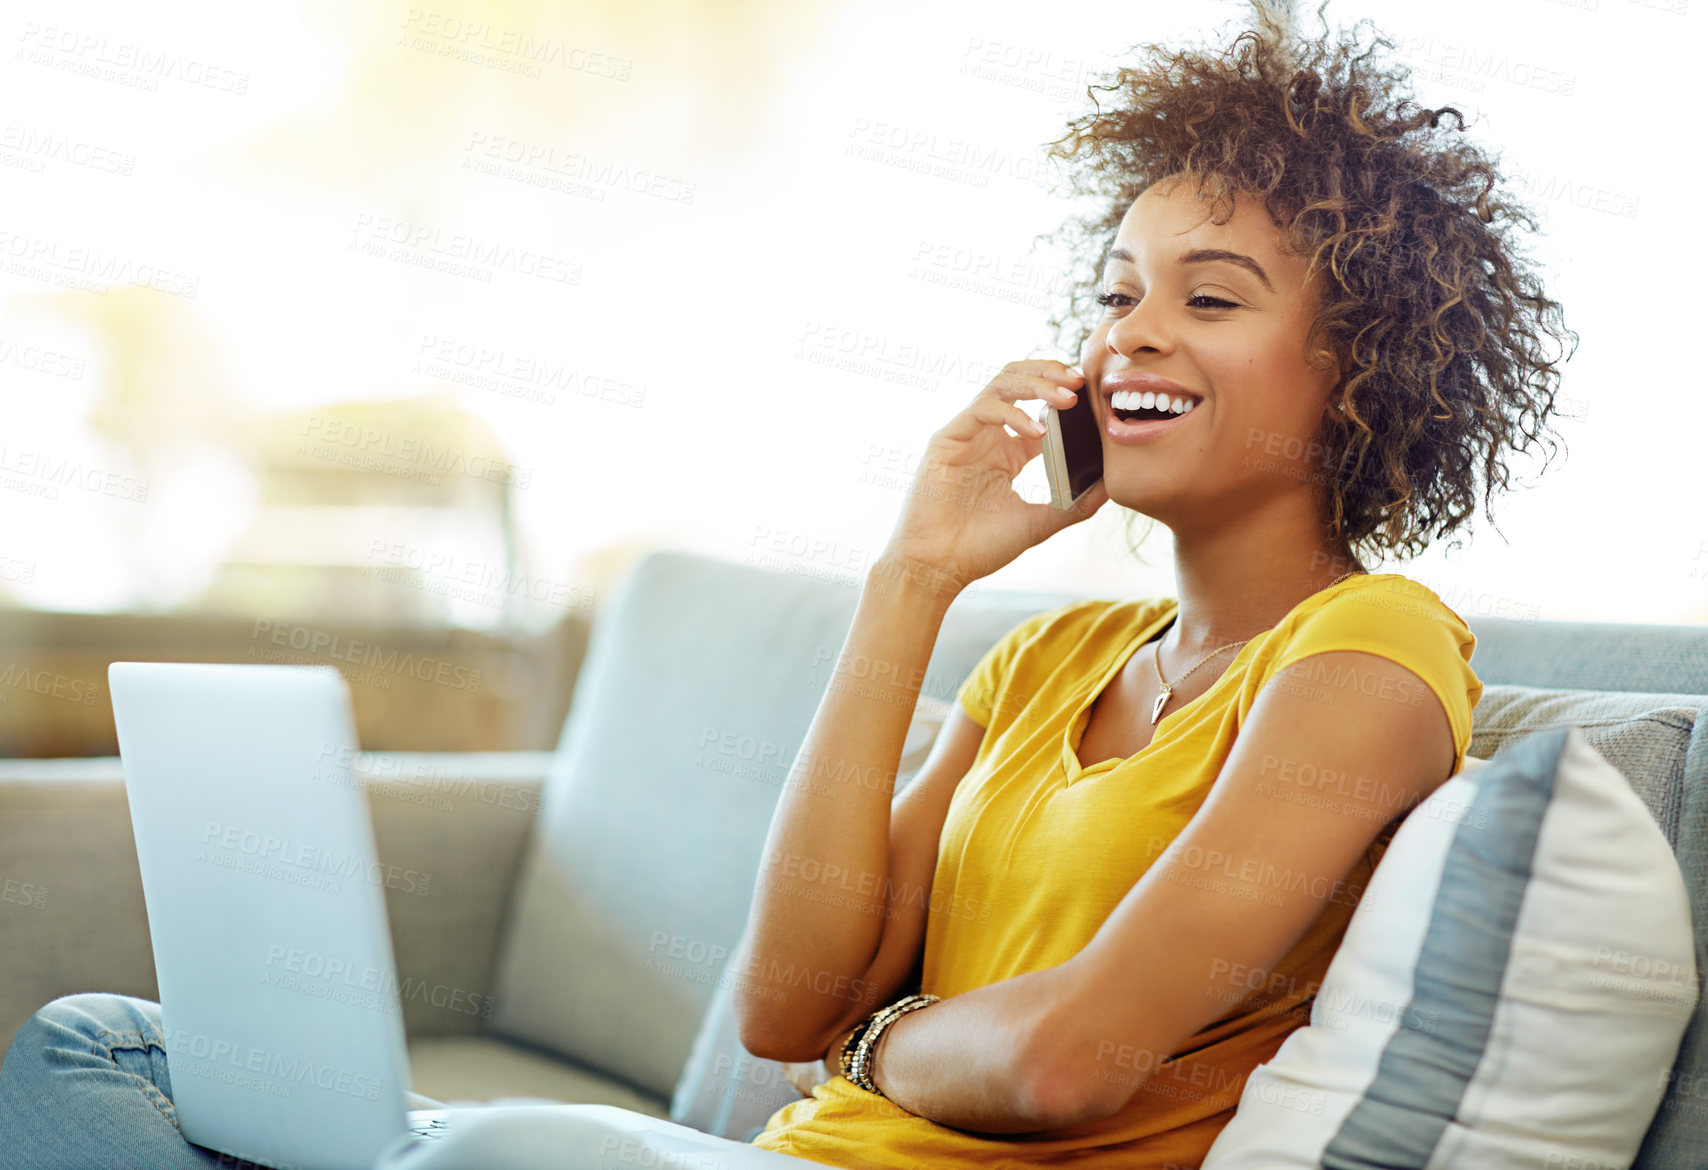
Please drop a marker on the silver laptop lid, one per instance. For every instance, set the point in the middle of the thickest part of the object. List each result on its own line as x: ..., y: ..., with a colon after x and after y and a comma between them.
x: 266, y: 903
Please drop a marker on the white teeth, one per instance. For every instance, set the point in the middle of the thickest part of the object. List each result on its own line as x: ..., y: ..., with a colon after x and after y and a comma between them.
x: 1134, y: 400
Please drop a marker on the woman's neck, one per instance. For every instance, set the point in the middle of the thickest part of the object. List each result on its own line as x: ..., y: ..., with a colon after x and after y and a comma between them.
x: 1232, y: 591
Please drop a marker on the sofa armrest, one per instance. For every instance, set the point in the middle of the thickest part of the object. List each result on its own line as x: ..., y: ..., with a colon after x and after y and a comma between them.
x: 71, y: 909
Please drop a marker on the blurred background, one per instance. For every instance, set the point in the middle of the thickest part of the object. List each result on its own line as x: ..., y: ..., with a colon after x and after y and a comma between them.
x: 387, y: 335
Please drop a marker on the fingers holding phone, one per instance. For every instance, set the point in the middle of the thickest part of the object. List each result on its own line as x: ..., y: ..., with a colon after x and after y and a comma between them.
x: 962, y: 515
x: 1073, y: 452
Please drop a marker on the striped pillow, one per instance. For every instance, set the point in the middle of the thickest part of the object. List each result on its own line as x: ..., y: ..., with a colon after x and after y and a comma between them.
x: 1510, y: 994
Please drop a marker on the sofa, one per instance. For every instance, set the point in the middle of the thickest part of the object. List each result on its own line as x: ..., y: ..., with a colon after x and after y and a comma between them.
x: 578, y: 908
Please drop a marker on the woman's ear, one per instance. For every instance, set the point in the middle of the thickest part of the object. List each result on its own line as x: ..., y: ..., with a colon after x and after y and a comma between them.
x: 1328, y: 359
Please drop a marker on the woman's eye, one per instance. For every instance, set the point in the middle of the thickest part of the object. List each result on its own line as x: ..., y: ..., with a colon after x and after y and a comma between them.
x: 1110, y: 299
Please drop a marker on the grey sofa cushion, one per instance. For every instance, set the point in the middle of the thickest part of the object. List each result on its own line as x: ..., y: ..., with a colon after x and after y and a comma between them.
x: 484, y: 1068
x: 701, y: 679
x: 1453, y: 1025
x: 1678, y: 1137
x: 1660, y: 743
x: 1645, y: 736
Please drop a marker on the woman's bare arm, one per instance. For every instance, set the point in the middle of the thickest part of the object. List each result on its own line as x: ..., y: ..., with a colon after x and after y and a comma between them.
x: 812, y: 960
x: 1067, y: 1044
x: 916, y: 831
x: 817, y: 924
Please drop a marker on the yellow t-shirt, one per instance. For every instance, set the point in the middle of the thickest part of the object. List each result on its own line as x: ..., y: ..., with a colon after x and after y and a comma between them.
x: 1037, y: 850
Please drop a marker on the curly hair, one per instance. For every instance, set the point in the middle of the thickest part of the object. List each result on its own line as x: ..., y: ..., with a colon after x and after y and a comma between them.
x: 1435, y: 317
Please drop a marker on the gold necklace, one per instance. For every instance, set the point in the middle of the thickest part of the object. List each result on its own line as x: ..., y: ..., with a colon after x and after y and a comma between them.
x: 1168, y: 687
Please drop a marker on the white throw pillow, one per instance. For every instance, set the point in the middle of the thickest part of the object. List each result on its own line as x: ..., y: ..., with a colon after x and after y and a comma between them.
x: 1510, y: 994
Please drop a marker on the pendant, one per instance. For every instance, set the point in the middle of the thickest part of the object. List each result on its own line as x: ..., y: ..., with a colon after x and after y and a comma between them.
x: 1156, y: 708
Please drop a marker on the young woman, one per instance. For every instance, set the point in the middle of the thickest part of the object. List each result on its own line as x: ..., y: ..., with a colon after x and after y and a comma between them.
x: 1116, y: 884
x: 1118, y: 881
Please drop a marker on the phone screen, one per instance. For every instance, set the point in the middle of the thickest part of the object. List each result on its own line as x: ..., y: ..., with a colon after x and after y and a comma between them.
x: 1073, y: 450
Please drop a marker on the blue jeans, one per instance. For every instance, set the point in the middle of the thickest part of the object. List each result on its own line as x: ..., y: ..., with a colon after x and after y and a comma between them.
x: 85, y: 1086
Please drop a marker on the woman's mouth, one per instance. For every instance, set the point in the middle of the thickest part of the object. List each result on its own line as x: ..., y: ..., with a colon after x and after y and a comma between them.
x: 1136, y: 417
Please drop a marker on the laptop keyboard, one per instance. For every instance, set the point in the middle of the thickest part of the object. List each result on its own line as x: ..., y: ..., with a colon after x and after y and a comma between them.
x: 432, y: 1128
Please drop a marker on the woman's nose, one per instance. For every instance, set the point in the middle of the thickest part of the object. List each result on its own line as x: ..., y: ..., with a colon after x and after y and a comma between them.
x: 1135, y: 331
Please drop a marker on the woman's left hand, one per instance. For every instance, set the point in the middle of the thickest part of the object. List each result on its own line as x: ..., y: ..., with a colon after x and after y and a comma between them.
x: 806, y: 1075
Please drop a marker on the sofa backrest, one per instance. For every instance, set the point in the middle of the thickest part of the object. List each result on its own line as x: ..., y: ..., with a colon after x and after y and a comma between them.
x: 700, y: 681
x: 1591, y: 656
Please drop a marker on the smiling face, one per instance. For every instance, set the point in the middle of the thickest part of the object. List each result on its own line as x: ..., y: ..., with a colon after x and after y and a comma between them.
x: 1231, y: 333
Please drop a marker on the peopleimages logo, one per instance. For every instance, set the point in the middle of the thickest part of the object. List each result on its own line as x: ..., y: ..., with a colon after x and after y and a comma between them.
x: 127, y: 62
x: 471, y: 254
x: 87, y: 268
x: 265, y: 848
x: 46, y: 683
x: 33, y: 149
x: 41, y: 473
x: 341, y: 981
x: 327, y: 644
x: 259, y: 1069
x: 331, y: 433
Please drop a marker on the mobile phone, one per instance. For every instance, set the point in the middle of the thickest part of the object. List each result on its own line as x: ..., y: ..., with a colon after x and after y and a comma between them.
x: 1073, y: 450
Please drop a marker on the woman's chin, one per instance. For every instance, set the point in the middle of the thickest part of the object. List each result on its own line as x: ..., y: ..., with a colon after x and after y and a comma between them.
x: 1135, y: 497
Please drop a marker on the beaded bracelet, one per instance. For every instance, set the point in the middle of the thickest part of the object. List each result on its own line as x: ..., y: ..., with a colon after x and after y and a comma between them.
x: 846, y: 1058
x: 856, y: 1059
x: 848, y: 1045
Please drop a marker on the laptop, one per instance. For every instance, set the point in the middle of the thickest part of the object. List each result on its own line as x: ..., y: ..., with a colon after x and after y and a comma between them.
x: 266, y: 902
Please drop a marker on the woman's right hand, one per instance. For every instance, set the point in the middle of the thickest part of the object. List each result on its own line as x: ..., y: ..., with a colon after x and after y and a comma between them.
x: 963, y: 519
